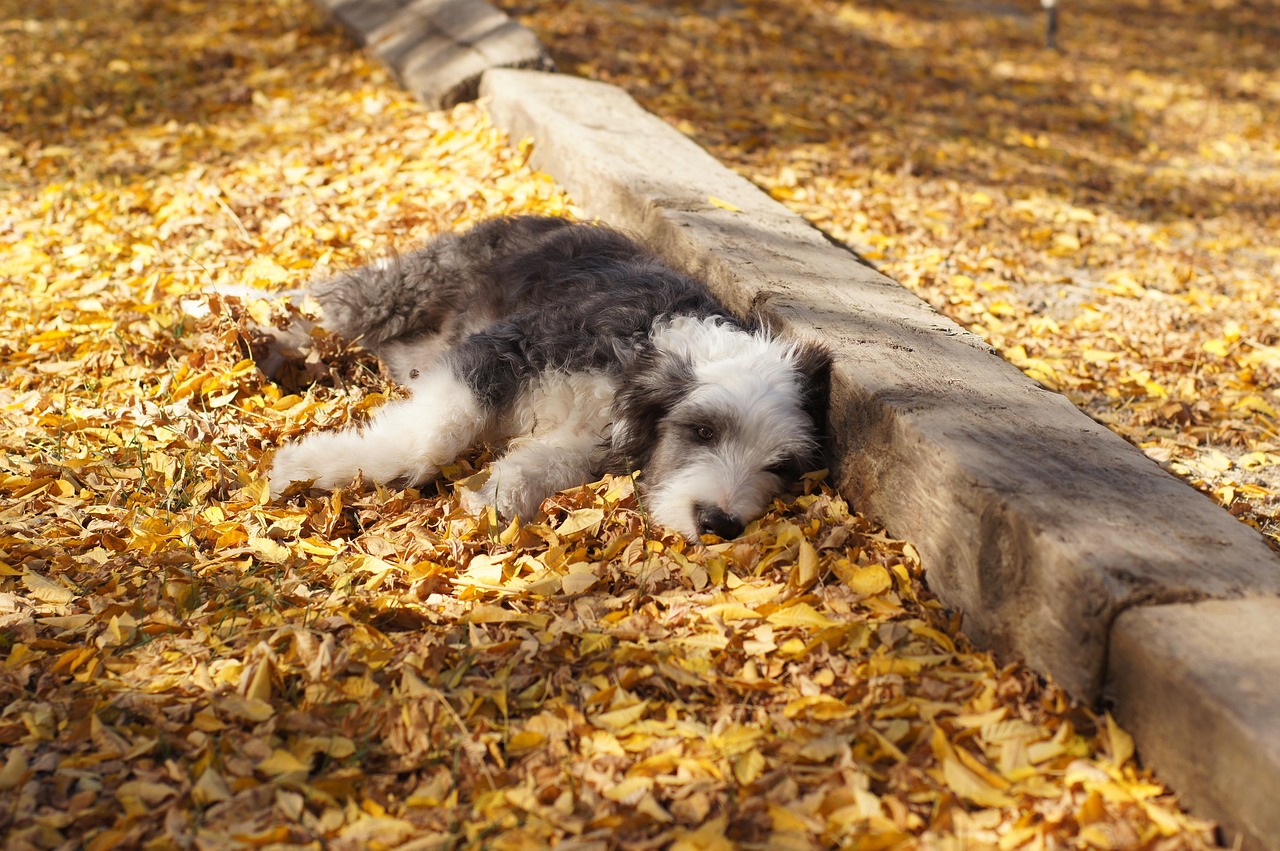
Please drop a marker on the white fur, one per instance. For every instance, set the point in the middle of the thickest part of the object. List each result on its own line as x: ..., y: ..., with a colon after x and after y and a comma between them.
x: 407, y: 439
x: 562, y: 420
x: 708, y: 339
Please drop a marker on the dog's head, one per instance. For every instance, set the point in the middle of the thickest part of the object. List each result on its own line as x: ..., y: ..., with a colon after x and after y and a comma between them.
x: 720, y: 420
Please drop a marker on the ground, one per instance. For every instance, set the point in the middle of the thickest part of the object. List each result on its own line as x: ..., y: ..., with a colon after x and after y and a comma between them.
x: 186, y: 663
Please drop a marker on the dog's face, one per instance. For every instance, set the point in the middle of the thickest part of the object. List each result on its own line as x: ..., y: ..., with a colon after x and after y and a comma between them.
x: 720, y: 421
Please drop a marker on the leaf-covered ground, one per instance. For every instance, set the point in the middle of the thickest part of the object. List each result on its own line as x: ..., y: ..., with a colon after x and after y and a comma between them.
x: 184, y: 663
x: 1108, y: 216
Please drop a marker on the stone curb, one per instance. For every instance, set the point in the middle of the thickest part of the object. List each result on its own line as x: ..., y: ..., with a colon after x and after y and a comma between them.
x: 1197, y: 686
x: 1059, y: 542
x: 439, y: 49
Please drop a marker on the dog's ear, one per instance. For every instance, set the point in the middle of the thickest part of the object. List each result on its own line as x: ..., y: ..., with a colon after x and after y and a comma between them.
x: 813, y: 363
x: 647, y: 395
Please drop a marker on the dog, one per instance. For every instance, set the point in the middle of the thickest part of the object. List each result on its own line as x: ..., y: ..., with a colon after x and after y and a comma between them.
x: 584, y: 352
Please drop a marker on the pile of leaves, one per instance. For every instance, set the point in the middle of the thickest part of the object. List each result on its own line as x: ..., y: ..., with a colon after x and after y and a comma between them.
x: 186, y: 663
x: 1104, y: 215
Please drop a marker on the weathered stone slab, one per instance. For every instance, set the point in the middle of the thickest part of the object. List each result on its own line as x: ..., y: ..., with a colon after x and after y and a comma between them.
x: 1037, y: 523
x: 1199, y: 687
x: 438, y: 49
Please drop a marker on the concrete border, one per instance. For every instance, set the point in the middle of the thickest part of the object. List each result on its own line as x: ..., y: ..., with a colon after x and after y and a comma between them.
x: 1197, y: 686
x: 1058, y: 541
x: 438, y: 49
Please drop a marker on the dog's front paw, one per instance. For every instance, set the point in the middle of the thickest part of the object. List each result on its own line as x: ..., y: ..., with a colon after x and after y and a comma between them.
x: 507, y: 491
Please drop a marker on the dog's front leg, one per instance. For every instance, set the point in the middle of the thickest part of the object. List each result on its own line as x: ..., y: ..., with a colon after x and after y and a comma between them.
x: 529, y: 473
x: 408, y: 440
x: 567, y: 417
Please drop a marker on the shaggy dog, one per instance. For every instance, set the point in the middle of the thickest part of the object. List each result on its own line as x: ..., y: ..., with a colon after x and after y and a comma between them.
x: 587, y: 354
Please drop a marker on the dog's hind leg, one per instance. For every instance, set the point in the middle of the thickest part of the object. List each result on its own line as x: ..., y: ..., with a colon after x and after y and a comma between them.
x: 407, y: 440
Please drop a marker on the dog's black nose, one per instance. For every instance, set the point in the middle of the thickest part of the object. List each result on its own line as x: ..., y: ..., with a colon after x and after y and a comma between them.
x: 712, y: 520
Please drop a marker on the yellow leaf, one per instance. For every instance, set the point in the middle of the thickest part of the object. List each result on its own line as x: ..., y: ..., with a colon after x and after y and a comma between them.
x: 411, y: 684
x: 210, y: 788
x: 269, y: 551
x: 1256, y: 405
x: 376, y: 831
x: 800, y: 615
x: 871, y: 580
x: 1168, y: 823
x: 748, y: 767
x: 968, y: 785
x: 1121, y: 743
x: 260, y: 685
x: 120, y: 629
x: 264, y: 269
x: 806, y: 569
x: 493, y: 614
x: 582, y: 520
x: 1044, y: 751
x: 709, y: 639
x: 1255, y: 460
x: 66, y: 622
x: 630, y: 790
x: 590, y: 642
x: 1215, y: 461
x: 485, y: 570
x: 45, y: 590
x: 580, y: 577
x: 648, y: 805
x: 251, y: 710
x: 785, y: 820
x: 259, y: 490
x: 525, y: 740
x: 729, y: 612
x: 433, y: 792
x: 281, y: 762
x: 618, y: 719
x: 266, y: 836
x: 140, y: 796
x: 338, y: 747
x: 710, y: 836
x: 820, y: 707
x: 723, y: 205
x: 14, y: 771
x: 1220, y: 348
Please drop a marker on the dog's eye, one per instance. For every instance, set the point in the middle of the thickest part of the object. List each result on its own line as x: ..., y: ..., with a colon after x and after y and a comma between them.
x: 704, y: 433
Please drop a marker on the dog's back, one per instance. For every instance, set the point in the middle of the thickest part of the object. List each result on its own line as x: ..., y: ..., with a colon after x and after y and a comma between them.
x: 571, y: 296
x: 448, y: 288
